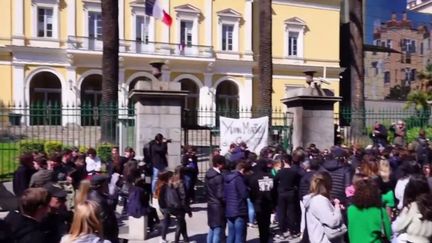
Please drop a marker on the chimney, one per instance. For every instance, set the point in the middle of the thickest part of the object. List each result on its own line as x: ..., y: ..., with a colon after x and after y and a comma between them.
x: 404, y: 16
x: 393, y: 16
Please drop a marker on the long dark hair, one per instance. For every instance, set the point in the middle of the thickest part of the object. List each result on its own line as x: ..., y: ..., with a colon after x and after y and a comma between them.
x: 367, y: 194
x: 163, y: 179
x: 416, y: 186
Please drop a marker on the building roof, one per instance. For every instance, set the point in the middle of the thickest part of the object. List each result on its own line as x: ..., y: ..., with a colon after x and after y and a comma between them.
x: 417, y: 5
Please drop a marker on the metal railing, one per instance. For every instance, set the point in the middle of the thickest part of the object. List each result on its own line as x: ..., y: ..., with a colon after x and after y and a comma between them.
x: 67, y: 125
x: 143, y: 47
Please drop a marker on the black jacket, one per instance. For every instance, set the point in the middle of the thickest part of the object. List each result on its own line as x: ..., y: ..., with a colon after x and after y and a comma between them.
x: 236, y: 194
x: 262, y: 191
x: 287, y: 181
x: 109, y: 220
x: 158, y: 154
x: 341, y: 175
x: 214, y: 184
x: 24, y: 229
x: 21, y: 179
x: 305, y: 182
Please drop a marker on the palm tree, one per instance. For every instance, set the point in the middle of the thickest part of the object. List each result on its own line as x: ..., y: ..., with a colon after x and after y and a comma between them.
x: 265, y: 62
x: 110, y: 66
x: 425, y: 78
x: 357, y: 68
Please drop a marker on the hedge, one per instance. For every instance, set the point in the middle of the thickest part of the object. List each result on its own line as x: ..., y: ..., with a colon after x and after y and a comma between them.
x: 53, y: 146
x: 104, y: 151
x: 30, y: 146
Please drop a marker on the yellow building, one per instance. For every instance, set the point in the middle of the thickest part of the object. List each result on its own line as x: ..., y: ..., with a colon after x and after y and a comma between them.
x: 51, y: 50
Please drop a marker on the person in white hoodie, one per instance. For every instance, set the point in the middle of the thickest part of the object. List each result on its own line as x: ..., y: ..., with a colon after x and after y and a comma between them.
x: 320, y: 210
x: 414, y: 223
x: 86, y: 225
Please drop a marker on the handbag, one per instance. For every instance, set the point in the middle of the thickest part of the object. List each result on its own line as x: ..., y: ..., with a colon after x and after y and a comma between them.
x: 383, y: 237
x: 336, y: 232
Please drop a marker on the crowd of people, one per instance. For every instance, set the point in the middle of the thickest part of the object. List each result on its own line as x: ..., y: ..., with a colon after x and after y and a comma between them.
x: 380, y: 193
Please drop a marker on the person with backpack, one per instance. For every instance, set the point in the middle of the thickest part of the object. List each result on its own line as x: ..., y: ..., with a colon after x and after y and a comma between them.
x: 160, y: 194
x: 138, y: 204
x: 190, y: 169
x: 214, y: 184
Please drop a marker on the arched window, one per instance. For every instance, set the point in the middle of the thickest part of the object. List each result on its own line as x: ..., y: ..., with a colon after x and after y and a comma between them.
x: 91, y: 95
x: 45, y: 99
x: 227, y: 100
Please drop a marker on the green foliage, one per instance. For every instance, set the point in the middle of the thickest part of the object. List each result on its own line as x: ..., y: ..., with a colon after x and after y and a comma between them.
x: 29, y: 146
x: 104, y: 151
x: 53, y: 146
x: 413, y: 133
x: 398, y: 93
x: 418, y: 99
x: 83, y: 149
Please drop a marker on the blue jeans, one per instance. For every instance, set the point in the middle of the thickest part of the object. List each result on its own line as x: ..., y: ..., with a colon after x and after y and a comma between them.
x: 251, y: 211
x: 154, y: 179
x: 214, y: 235
x: 236, y: 230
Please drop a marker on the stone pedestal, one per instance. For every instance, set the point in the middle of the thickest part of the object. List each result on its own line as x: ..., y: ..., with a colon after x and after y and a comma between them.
x: 138, y: 228
x: 158, y: 107
x: 313, y: 113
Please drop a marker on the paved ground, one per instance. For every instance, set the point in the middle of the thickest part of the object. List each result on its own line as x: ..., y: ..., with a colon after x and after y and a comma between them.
x: 196, y: 227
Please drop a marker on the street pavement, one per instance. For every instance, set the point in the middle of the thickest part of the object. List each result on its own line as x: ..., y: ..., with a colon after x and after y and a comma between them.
x: 196, y: 227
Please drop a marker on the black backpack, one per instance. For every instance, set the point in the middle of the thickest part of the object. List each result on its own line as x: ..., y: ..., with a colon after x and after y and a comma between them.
x: 147, y: 152
x: 422, y: 151
x: 172, y: 198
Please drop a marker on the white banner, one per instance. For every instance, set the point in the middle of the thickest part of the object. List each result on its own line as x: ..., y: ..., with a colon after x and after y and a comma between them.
x: 252, y: 131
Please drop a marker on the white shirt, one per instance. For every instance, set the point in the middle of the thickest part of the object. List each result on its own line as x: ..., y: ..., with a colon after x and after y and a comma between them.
x: 94, y: 164
x: 400, y: 190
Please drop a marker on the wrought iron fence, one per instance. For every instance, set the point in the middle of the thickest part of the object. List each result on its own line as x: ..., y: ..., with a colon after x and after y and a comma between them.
x: 67, y: 125
x: 414, y: 120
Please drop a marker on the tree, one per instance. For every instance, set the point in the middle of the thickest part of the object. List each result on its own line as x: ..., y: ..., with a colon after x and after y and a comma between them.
x: 110, y: 66
x: 265, y: 59
x: 357, y: 67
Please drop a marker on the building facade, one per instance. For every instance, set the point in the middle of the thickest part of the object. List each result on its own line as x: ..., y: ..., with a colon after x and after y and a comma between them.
x: 413, y: 47
x: 51, y: 50
x: 421, y: 6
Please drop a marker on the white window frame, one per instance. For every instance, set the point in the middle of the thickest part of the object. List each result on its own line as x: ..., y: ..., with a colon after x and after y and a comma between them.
x: 229, y: 17
x: 297, y: 42
x: 138, y: 9
x: 95, y: 27
x: 226, y: 37
x: 184, y: 39
x: 295, y: 25
x: 47, y: 4
x: 90, y: 6
x: 187, y: 12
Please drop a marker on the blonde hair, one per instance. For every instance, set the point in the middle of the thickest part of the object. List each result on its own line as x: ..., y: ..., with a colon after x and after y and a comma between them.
x: 384, y: 170
x: 321, y: 184
x: 86, y: 220
x: 82, y: 192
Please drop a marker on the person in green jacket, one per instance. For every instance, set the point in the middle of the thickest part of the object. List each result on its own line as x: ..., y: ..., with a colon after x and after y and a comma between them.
x: 367, y: 219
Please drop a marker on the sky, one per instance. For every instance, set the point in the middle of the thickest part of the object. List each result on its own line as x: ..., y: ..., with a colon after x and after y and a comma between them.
x: 377, y: 11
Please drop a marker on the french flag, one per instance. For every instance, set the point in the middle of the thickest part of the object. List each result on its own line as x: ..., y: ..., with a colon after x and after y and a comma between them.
x: 154, y: 8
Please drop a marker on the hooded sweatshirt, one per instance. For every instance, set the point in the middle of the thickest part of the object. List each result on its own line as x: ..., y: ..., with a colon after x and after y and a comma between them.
x: 214, y: 183
x: 87, y: 238
x: 235, y: 193
x: 319, y: 211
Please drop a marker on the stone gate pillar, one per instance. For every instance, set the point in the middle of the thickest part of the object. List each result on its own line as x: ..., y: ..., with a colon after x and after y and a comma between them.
x: 158, y: 108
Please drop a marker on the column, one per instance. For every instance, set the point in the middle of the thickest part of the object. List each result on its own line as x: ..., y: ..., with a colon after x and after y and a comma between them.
x: 70, y: 94
x: 206, y: 100
x: 246, y: 93
x: 18, y: 23
x: 248, y: 28
x: 121, y: 21
x: 165, y: 28
x: 123, y: 104
x: 71, y: 23
x: 208, y: 22
x: 18, y: 77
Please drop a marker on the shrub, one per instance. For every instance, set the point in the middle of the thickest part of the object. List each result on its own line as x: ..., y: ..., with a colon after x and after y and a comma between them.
x: 413, y: 133
x: 53, y: 146
x: 29, y: 146
x: 104, y: 151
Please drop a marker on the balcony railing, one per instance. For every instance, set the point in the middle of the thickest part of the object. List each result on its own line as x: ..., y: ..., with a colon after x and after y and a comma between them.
x: 141, y: 47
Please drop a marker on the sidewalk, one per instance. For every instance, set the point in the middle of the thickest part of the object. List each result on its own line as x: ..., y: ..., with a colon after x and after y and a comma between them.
x: 196, y: 227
